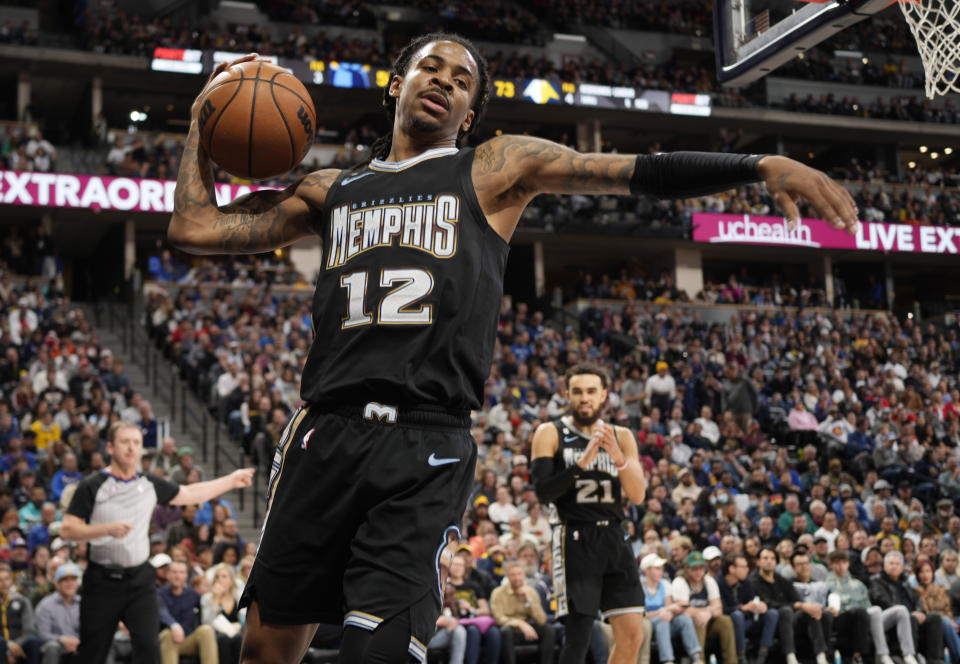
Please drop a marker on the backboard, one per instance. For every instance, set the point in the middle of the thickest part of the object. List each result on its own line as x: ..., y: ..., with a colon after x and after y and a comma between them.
x: 754, y: 37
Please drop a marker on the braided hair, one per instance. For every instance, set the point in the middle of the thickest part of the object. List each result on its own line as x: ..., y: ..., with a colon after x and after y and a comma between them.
x: 381, y: 147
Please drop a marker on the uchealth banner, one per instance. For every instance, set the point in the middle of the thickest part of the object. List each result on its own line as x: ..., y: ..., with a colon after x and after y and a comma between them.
x: 815, y: 233
x: 99, y: 192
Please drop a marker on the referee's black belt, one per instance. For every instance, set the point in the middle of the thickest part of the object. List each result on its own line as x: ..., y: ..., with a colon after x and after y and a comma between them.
x: 601, y: 523
x: 117, y: 571
x: 421, y: 415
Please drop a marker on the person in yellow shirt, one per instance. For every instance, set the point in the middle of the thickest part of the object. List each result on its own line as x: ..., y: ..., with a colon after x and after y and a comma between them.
x: 47, y: 431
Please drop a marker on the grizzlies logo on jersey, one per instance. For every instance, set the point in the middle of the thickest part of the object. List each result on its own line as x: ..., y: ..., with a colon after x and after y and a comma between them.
x: 406, y: 305
x: 596, y: 494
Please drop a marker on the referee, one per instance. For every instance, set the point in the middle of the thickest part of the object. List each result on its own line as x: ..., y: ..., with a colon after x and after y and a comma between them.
x: 111, y: 510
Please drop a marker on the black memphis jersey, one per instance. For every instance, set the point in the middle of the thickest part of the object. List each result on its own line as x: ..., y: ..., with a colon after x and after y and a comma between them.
x: 595, y: 495
x: 406, y: 306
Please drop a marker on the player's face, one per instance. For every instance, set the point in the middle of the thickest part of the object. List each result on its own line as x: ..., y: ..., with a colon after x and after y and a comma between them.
x: 126, y: 449
x: 437, y: 92
x: 587, y: 396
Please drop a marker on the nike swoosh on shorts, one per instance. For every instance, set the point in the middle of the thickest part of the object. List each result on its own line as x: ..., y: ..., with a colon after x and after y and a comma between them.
x: 434, y: 461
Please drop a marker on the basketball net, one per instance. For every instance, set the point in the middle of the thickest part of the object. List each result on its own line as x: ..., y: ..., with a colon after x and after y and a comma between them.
x: 936, y: 26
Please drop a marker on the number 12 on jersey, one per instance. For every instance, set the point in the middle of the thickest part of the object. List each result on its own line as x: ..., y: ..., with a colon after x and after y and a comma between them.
x: 397, y: 307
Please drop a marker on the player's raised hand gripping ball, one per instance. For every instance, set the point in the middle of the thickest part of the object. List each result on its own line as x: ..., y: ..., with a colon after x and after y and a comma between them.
x: 256, y: 120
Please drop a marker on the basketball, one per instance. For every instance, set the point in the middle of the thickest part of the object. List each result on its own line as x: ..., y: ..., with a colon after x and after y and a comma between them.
x: 256, y: 120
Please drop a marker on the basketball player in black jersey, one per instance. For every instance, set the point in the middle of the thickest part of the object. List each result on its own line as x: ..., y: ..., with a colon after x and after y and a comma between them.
x: 371, y: 476
x: 583, y: 465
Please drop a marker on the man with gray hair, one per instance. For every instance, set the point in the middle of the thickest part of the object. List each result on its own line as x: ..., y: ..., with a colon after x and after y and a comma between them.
x: 888, y: 589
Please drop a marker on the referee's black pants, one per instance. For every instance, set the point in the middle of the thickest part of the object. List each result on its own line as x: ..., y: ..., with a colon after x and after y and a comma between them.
x: 111, y: 595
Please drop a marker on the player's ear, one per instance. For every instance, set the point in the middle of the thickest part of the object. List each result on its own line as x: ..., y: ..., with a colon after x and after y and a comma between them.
x: 468, y: 120
x: 395, y: 84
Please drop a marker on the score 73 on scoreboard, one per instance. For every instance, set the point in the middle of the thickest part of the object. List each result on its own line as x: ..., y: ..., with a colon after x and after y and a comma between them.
x: 544, y: 91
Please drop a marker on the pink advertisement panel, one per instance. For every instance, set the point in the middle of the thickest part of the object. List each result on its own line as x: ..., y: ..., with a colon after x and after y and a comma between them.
x: 817, y: 234
x: 99, y: 192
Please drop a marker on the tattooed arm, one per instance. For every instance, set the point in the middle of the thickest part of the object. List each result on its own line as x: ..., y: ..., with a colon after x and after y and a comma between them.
x: 509, y: 171
x: 260, y: 221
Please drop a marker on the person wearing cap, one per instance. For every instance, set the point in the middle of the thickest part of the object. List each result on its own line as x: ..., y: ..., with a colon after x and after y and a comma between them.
x: 185, y: 464
x: 19, y: 554
x: 667, y: 617
x: 587, y: 468
x: 519, y: 467
x: 686, y: 488
x: 58, y: 616
x: 944, y: 513
x: 748, y: 612
x: 889, y: 588
x: 660, y: 389
x: 111, y: 510
x: 712, y: 556
x: 161, y: 563
x: 699, y: 596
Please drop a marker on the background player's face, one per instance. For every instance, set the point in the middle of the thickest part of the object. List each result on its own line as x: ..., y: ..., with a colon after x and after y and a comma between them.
x: 441, y: 68
x: 587, y: 396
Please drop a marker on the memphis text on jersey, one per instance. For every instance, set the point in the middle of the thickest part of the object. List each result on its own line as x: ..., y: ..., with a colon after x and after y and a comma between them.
x: 419, y: 221
x: 602, y: 462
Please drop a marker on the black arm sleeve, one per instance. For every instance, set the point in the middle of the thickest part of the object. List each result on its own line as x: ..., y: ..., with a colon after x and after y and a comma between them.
x: 550, y: 486
x: 688, y: 174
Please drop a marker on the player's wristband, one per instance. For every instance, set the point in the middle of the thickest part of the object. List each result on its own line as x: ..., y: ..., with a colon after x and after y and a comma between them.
x: 688, y: 174
x: 625, y: 462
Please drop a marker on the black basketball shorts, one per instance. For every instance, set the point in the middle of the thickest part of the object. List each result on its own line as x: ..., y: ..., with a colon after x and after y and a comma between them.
x: 594, y: 569
x: 360, y: 505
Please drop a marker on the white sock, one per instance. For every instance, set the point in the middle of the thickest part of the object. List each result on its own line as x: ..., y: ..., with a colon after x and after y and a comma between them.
x: 792, y: 658
x: 822, y: 658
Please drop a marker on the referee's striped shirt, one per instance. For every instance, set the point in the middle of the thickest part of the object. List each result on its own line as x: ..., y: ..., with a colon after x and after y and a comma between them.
x: 103, y: 497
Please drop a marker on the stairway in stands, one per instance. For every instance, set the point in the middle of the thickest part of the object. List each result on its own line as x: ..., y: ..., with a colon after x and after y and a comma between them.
x: 158, y: 381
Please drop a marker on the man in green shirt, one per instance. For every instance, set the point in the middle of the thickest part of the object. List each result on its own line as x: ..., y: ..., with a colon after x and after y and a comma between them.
x: 855, y: 610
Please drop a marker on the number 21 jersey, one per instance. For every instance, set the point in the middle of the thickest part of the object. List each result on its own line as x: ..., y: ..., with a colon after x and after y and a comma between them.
x: 595, y: 496
x: 406, y: 305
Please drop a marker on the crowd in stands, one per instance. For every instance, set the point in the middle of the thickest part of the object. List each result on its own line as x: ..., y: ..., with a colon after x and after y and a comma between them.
x: 60, y: 390
x: 807, y: 459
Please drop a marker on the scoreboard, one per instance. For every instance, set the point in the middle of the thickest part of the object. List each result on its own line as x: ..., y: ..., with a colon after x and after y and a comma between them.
x: 531, y: 90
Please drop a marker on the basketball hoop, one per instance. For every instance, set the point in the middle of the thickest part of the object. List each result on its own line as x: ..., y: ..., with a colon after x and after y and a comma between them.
x: 936, y: 26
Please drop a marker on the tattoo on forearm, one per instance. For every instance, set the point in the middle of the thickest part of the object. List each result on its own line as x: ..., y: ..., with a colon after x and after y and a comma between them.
x: 570, y: 171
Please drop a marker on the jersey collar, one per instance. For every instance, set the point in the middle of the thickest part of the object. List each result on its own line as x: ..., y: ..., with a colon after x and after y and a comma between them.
x: 396, y: 166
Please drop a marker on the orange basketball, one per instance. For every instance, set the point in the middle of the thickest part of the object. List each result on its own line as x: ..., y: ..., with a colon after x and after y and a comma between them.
x: 256, y: 120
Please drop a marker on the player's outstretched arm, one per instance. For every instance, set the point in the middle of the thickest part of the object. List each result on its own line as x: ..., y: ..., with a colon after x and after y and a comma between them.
x: 260, y: 221
x: 509, y: 171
